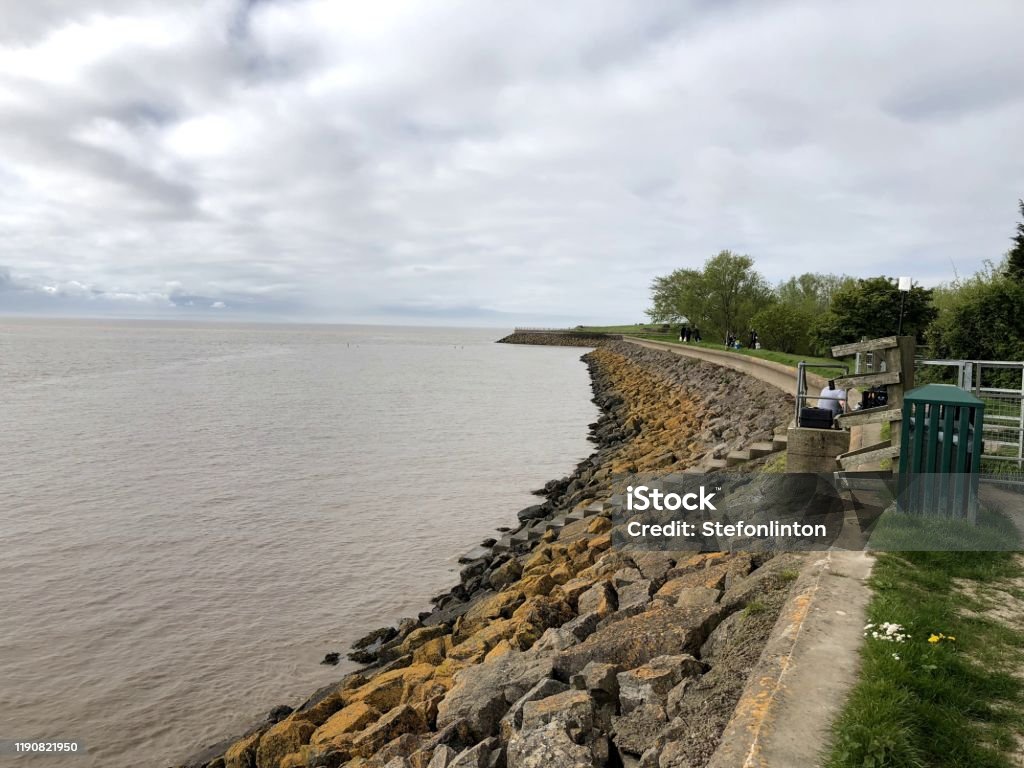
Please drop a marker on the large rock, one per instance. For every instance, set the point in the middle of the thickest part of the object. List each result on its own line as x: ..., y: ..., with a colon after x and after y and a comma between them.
x: 722, y: 637
x: 773, y: 575
x: 651, y: 682
x: 548, y: 747
x: 476, y: 756
x: 635, y: 732
x: 638, y: 639
x: 598, y: 678
x: 573, y: 709
x: 634, y: 596
x: 419, y: 636
x: 354, y: 717
x: 386, y: 689
x: 242, y: 754
x: 400, y: 720
x: 499, y: 606
x: 513, y: 719
x: 282, y: 739
x: 482, y: 694
x: 599, y: 599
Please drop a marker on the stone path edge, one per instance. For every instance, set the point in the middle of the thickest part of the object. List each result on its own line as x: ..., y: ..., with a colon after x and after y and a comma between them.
x: 797, y: 687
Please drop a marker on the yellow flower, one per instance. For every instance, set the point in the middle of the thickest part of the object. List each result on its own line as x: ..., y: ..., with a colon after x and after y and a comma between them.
x: 951, y: 638
x: 933, y: 639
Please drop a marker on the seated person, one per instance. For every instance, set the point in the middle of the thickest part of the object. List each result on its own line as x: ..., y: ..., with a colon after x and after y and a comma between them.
x: 833, y: 399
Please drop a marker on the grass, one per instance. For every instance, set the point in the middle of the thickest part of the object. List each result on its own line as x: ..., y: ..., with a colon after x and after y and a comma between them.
x: 950, y: 703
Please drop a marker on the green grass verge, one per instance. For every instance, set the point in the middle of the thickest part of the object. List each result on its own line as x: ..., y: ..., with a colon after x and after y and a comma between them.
x: 950, y: 703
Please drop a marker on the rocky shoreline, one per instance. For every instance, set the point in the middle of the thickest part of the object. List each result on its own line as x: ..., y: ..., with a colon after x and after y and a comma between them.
x: 560, y: 338
x: 555, y: 649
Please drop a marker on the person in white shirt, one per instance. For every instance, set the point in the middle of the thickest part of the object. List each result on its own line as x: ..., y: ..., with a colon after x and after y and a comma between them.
x: 833, y: 399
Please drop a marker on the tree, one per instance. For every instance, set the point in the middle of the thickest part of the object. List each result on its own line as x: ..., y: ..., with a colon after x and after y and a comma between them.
x: 1015, y: 258
x: 677, y: 297
x: 870, y: 308
x: 981, y: 318
x: 812, y: 292
x: 783, y: 327
x: 734, y: 292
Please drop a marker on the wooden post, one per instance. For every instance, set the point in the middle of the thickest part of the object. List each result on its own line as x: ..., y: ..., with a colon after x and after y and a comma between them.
x: 898, y: 377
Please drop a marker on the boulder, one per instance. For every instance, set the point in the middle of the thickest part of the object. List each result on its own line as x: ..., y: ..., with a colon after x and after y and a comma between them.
x: 572, y: 709
x: 482, y: 694
x: 513, y: 719
x: 400, y: 720
x: 651, y: 682
x: 242, y: 754
x: 638, y: 639
x: 505, y: 574
x: 635, y: 732
x: 432, y: 652
x: 654, y: 565
x: 625, y: 576
x: 548, y: 747
x: 597, y: 677
x: 441, y: 757
x: 386, y: 689
x: 696, y: 596
x: 583, y: 626
x: 419, y: 636
x: 534, y: 512
x: 635, y: 596
x: 721, y: 637
x: 354, y: 717
x: 599, y: 599
x: 476, y: 756
x: 282, y: 739
x: 486, y: 610
x: 775, y: 574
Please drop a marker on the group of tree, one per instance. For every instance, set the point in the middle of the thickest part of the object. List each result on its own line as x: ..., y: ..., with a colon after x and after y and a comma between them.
x: 979, y: 318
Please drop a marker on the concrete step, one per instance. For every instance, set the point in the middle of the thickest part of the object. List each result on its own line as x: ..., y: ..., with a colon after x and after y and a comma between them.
x: 698, y: 470
x: 737, y: 457
x: 757, y: 450
x: 780, y: 442
x: 712, y: 464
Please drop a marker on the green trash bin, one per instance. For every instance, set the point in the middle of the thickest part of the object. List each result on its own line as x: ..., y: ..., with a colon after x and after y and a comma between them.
x: 940, y: 451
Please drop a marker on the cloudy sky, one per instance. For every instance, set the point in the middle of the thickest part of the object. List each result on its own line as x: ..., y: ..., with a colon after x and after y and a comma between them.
x: 491, y: 162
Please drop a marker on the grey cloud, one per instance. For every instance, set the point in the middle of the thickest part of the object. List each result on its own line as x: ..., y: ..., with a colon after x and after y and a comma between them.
x: 462, y: 159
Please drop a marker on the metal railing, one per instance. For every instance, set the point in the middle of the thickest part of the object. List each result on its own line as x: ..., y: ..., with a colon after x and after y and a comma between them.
x: 1000, y: 385
x: 802, y: 396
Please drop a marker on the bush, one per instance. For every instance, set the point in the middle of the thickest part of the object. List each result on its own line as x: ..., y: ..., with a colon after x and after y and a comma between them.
x: 783, y: 328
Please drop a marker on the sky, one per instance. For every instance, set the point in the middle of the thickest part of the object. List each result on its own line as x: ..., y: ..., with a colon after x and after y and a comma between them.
x: 492, y: 163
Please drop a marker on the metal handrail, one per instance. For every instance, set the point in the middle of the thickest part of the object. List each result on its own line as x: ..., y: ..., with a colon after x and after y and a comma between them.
x: 801, y: 385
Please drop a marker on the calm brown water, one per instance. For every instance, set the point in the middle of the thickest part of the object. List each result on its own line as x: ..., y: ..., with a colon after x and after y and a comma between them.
x: 191, y: 516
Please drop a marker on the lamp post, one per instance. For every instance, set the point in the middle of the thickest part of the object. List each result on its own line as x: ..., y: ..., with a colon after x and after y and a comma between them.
x: 904, y: 286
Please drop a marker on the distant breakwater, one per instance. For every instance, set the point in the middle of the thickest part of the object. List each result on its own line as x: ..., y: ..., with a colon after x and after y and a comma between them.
x: 555, y: 649
x: 559, y: 338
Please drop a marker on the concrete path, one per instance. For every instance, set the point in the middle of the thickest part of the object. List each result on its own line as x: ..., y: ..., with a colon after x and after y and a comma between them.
x: 806, y: 669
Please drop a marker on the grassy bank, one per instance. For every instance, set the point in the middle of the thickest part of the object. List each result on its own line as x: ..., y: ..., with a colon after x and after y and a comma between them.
x: 948, y: 694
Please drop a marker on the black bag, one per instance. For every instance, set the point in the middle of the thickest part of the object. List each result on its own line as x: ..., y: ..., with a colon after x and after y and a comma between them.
x: 815, y: 418
x: 875, y: 397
